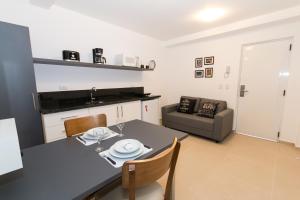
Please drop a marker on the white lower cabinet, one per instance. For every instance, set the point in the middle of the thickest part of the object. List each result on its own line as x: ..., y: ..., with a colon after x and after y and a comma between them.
x: 130, y: 110
x: 123, y: 111
x: 150, y: 111
x: 54, y: 123
x: 110, y: 111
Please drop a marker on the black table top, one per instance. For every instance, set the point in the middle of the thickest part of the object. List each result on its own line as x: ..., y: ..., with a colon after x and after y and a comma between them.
x: 66, y: 169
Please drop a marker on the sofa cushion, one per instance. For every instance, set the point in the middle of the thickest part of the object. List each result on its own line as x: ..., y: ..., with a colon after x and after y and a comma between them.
x: 186, y: 105
x: 191, y: 120
x: 222, y: 105
x: 207, y: 109
x: 196, y: 108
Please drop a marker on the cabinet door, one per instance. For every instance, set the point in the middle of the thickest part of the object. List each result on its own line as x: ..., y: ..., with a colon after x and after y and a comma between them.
x: 54, y: 133
x: 150, y: 111
x: 55, y: 119
x: 18, y: 95
x: 110, y: 111
x: 130, y: 110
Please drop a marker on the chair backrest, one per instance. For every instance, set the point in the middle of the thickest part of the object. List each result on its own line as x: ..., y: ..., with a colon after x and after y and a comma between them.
x: 139, y: 173
x: 82, y: 124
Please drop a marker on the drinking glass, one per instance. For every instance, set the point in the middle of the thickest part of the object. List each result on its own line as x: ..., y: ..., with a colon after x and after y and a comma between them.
x: 121, y: 126
x: 99, y: 140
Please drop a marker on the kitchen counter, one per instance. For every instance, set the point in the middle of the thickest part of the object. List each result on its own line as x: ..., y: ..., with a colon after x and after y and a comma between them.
x: 53, y: 102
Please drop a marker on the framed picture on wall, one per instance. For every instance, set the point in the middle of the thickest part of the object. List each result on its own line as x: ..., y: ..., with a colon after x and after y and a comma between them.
x: 199, y: 73
x: 198, y: 62
x: 209, y: 60
x: 209, y: 72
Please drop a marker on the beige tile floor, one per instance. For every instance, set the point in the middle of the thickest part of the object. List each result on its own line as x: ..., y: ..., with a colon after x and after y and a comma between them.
x: 240, y: 168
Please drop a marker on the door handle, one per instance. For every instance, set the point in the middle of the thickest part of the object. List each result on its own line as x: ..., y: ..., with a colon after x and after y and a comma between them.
x: 33, y: 100
x: 122, y: 110
x: 118, y: 112
x: 69, y: 117
x: 243, y: 90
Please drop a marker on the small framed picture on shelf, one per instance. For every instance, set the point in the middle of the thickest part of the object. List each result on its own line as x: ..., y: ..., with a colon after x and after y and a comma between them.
x: 209, y: 60
x: 209, y: 72
x: 199, y: 73
x: 198, y: 62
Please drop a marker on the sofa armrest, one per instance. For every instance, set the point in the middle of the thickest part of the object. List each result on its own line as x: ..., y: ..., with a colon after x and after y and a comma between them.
x: 169, y: 108
x: 223, y: 124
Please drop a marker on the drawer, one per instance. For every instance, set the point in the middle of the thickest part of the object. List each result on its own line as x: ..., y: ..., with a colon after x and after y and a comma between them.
x: 54, y: 133
x: 55, y: 119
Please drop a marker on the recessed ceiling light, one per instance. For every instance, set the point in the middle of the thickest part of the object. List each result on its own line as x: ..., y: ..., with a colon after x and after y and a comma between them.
x: 210, y: 14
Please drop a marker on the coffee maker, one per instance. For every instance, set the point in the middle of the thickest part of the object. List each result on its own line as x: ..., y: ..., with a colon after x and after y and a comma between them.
x: 97, y: 56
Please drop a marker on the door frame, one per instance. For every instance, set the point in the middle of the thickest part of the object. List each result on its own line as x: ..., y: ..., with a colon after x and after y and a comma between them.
x: 291, y: 38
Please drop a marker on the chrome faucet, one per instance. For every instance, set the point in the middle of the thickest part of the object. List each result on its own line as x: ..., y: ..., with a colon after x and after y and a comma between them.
x: 91, y: 94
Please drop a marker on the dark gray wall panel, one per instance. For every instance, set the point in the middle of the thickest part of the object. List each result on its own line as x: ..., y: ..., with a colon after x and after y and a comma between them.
x: 18, y: 87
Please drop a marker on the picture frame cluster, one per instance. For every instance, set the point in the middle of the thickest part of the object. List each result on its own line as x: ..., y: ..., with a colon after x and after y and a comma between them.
x: 202, y: 62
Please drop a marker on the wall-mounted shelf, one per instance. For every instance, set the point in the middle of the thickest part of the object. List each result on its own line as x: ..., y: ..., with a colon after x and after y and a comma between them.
x: 84, y: 64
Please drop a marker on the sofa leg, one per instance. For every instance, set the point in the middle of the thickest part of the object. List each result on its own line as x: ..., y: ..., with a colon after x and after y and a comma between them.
x: 217, y: 141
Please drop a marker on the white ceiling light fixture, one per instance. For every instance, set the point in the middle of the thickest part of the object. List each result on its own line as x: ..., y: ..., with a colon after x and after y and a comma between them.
x: 210, y: 14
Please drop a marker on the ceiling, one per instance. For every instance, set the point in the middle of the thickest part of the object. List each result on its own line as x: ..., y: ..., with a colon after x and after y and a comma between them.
x: 168, y: 19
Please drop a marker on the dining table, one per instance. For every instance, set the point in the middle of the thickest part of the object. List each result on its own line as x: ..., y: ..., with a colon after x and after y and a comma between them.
x: 67, y: 169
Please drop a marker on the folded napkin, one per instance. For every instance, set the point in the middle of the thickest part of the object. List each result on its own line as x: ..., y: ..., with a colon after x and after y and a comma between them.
x: 88, y: 142
x: 118, y: 162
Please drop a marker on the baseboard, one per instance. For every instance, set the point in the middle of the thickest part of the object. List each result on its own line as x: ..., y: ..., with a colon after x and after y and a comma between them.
x: 256, y: 137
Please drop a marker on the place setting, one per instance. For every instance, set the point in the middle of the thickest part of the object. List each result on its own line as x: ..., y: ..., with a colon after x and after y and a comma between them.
x: 124, y: 150
x: 120, y: 152
x: 96, y: 135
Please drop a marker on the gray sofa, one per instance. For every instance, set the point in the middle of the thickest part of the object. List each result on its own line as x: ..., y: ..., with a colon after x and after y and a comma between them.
x: 216, y: 129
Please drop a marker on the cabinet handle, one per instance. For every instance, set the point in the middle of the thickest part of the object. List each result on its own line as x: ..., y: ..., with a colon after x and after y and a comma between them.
x: 118, y: 112
x: 122, y: 110
x: 33, y: 100
x: 63, y: 118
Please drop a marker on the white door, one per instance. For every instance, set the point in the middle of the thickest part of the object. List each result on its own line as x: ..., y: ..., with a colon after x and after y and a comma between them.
x: 262, y: 88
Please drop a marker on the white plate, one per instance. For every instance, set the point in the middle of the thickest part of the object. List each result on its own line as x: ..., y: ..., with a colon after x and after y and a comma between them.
x: 124, y: 156
x: 90, y: 134
x: 127, y: 146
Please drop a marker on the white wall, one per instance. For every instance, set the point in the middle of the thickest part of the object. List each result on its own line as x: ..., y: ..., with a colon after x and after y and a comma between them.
x: 55, y: 29
x: 227, y: 51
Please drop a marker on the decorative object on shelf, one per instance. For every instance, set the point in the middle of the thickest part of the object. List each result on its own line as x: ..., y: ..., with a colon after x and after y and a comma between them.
x: 126, y: 60
x: 152, y: 64
x: 209, y: 72
x: 97, y: 56
x: 142, y: 66
x: 209, y: 60
x: 198, y: 62
x: 199, y: 73
x: 69, y: 55
x: 147, y: 66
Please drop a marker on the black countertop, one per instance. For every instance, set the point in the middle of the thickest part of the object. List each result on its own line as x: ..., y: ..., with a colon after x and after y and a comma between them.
x: 53, y: 102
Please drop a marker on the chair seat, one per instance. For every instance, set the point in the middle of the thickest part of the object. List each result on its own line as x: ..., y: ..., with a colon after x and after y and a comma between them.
x: 153, y: 191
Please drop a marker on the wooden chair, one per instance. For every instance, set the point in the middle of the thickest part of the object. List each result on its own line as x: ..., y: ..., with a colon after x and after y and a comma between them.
x: 82, y: 124
x: 139, y: 177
